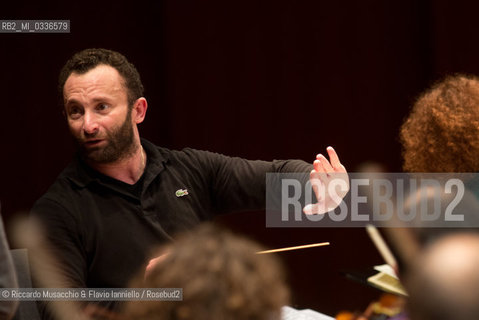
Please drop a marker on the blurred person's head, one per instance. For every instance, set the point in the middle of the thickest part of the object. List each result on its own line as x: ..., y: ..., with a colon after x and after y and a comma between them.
x: 441, y: 134
x: 222, y: 277
x: 443, y: 283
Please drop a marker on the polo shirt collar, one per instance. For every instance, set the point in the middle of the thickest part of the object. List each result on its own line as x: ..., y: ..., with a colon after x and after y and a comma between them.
x: 82, y: 174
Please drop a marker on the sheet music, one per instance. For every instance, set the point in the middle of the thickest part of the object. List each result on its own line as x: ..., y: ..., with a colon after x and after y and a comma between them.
x: 289, y: 313
x: 385, y: 268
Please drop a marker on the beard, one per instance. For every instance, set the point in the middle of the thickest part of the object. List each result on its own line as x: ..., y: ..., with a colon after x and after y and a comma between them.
x: 119, y: 144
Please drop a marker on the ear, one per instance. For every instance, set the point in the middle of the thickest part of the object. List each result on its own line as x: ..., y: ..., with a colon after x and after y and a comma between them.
x: 138, y: 111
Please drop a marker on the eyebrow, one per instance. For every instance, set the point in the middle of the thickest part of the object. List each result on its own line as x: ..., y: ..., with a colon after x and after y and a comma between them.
x: 96, y: 99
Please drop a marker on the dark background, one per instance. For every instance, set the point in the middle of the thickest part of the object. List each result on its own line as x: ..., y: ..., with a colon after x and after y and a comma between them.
x: 267, y: 79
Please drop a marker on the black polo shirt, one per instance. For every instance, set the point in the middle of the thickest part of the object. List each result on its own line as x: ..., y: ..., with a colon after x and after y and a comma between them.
x: 104, y: 231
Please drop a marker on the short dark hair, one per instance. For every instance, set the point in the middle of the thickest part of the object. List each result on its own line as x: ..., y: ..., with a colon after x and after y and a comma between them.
x: 86, y: 60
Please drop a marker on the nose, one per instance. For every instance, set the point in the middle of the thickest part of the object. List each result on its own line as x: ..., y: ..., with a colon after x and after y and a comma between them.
x: 90, y: 124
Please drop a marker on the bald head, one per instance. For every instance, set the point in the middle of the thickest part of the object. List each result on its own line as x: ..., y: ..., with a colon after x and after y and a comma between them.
x: 444, y: 282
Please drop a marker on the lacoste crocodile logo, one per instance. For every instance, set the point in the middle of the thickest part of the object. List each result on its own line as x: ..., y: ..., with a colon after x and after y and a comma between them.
x: 181, y: 192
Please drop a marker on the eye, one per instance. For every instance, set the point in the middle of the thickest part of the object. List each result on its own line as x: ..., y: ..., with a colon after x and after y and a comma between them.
x: 74, y: 112
x: 102, y: 107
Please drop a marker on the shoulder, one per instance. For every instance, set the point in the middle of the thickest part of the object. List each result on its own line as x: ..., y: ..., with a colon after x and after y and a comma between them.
x: 185, y: 154
x: 188, y: 157
x: 188, y: 154
x: 59, y: 195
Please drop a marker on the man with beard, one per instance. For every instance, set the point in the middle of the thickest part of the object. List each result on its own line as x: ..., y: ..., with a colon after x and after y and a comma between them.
x: 122, y: 195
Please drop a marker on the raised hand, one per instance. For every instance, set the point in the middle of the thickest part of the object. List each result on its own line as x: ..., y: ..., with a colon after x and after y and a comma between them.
x: 330, y: 183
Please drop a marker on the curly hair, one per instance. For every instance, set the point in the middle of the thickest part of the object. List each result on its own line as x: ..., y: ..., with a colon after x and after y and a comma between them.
x: 222, y: 278
x: 441, y: 134
x: 88, y: 59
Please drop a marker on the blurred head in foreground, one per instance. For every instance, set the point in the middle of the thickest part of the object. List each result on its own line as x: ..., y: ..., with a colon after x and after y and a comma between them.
x: 441, y: 134
x: 222, y: 278
x: 443, y: 283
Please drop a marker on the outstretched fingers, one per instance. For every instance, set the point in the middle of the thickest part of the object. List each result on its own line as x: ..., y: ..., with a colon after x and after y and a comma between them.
x: 336, y: 164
